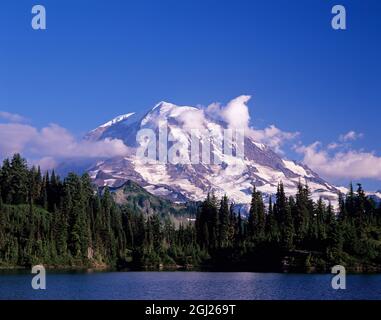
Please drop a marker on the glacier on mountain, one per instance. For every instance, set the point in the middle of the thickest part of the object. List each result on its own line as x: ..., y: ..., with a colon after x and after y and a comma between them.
x: 263, y: 167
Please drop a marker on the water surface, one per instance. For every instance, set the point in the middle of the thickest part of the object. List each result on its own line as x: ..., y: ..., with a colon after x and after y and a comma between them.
x: 187, y: 285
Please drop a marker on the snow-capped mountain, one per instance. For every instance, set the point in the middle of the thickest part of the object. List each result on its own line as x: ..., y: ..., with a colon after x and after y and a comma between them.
x: 376, y: 196
x: 180, y: 182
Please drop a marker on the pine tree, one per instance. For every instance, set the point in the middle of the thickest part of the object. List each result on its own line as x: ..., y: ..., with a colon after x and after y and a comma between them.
x: 5, y: 178
x: 334, y: 237
x: 224, y: 225
x: 18, y: 180
x: 272, y: 229
x: 208, y: 223
x: 282, y: 212
x: 257, y: 216
x: 343, y: 214
x: 350, y: 201
x: 359, y: 206
x: 214, y: 221
x: 321, y: 218
x: 239, y: 229
x: 301, y: 213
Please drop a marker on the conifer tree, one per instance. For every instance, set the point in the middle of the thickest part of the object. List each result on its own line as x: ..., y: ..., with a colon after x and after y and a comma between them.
x: 301, y: 214
x: 224, y: 224
x: 257, y: 216
x: 18, y: 180
x: 282, y: 212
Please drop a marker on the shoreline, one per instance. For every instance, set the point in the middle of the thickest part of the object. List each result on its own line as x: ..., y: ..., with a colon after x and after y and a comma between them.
x: 80, y: 269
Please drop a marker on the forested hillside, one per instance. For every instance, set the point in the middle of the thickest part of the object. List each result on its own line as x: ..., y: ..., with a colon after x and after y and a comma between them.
x: 70, y: 223
x: 293, y: 233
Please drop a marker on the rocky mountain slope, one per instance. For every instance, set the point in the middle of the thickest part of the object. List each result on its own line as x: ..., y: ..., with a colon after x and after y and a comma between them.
x: 180, y: 182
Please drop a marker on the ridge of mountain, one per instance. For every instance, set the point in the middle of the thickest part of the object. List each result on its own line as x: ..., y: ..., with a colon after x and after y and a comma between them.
x: 263, y: 167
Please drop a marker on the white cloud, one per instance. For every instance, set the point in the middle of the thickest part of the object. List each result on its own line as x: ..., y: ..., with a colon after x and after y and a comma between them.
x: 350, y: 136
x: 11, y: 117
x: 273, y: 137
x: 348, y: 164
x: 46, y: 163
x: 14, y: 137
x: 236, y: 115
x: 53, y: 143
x: 193, y: 119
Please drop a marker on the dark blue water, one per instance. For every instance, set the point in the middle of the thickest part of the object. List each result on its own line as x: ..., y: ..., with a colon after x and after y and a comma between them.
x: 188, y: 285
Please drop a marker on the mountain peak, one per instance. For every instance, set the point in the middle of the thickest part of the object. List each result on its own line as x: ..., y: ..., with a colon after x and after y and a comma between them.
x: 168, y: 106
x: 262, y: 166
x: 163, y: 104
x: 117, y: 119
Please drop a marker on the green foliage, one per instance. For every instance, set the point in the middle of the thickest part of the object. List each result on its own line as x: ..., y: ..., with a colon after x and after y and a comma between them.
x: 293, y: 233
x: 71, y: 223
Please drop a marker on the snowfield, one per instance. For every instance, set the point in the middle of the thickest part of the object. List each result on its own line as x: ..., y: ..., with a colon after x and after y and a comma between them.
x: 234, y: 177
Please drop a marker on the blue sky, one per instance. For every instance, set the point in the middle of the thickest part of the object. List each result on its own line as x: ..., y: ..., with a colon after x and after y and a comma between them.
x: 99, y: 59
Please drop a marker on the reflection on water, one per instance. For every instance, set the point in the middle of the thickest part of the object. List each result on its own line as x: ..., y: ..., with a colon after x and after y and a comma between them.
x: 186, y: 285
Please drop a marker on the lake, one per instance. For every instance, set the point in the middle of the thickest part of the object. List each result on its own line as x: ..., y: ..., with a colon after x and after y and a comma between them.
x: 187, y: 285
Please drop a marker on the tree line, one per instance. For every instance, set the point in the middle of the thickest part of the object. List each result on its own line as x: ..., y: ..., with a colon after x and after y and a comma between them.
x: 70, y: 223
x: 293, y: 233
